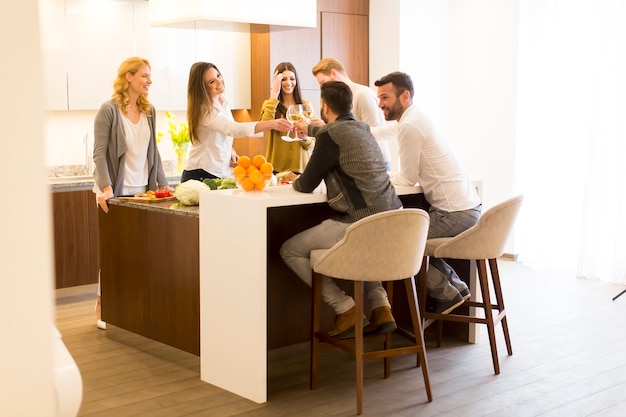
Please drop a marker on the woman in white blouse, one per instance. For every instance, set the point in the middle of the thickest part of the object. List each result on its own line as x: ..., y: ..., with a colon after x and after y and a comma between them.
x: 212, y: 127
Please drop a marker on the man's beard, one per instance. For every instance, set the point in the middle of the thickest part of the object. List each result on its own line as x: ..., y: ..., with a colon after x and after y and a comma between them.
x: 394, y: 113
x: 323, y: 116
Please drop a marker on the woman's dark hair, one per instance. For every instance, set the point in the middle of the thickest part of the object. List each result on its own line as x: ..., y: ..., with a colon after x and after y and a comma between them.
x: 198, y: 99
x: 401, y: 82
x: 281, y: 110
x: 338, y: 96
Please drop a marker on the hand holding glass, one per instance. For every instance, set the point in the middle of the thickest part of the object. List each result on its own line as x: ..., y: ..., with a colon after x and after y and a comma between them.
x: 294, y: 113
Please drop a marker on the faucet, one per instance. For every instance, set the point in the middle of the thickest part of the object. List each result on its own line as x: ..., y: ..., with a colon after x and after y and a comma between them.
x: 88, y: 155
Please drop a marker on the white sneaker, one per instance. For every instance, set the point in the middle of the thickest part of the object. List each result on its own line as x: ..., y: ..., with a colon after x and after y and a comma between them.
x: 101, y: 324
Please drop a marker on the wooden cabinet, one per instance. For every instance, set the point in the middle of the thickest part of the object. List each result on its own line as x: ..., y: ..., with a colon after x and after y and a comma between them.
x: 150, y: 274
x: 75, y: 226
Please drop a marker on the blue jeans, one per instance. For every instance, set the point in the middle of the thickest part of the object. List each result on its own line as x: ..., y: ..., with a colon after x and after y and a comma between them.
x: 296, y: 253
x: 443, y: 282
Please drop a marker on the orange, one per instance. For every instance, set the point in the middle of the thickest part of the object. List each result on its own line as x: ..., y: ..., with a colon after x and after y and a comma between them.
x: 246, y: 184
x: 256, y: 176
x: 244, y: 161
x: 259, y: 185
x: 266, y: 168
x: 258, y: 160
x: 251, y: 169
x: 239, y: 172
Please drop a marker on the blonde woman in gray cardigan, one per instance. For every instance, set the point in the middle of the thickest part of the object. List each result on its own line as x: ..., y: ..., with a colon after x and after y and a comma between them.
x: 125, y: 153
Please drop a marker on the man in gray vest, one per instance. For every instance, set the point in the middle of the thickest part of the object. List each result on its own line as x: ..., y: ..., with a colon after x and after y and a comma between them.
x: 348, y: 159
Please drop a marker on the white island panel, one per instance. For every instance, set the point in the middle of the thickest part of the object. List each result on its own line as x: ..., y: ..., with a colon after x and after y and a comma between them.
x: 233, y: 284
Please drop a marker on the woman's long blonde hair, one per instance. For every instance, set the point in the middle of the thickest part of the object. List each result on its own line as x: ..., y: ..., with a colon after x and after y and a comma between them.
x: 120, y: 85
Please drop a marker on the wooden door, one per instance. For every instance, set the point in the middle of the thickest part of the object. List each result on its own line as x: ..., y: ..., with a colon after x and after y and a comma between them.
x: 346, y: 37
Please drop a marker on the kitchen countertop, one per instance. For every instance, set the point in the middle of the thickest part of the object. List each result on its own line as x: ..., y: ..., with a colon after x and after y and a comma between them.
x: 271, y: 197
x: 85, y: 182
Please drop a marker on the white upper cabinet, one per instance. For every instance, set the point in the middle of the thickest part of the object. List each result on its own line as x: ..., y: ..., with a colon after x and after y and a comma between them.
x: 230, y: 52
x: 54, y: 47
x: 85, y: 41
x: 170, y: 52
x: 100, y: 35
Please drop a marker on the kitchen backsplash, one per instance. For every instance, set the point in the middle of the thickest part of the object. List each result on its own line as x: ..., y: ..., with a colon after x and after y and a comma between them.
x: 83, y: 170
x: 69, y: 142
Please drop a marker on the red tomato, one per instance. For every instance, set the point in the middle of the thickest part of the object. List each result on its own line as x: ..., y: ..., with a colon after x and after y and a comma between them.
x: 162, y: 194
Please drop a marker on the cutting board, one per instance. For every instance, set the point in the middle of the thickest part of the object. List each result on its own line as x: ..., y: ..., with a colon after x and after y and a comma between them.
x: 147, y: 199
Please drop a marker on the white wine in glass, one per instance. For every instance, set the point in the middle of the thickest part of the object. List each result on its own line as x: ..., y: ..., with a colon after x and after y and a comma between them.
x: 307, y: 110
x: 294, y: 113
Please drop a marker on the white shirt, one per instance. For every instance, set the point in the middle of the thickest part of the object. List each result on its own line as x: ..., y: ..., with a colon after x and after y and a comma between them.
x: 215, y: 135
x: 365, y: 108
x: 427, y: 159
x: 136, y: 158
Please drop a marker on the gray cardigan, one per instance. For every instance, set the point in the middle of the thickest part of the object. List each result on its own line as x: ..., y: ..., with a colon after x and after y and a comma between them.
x: 109, y: 150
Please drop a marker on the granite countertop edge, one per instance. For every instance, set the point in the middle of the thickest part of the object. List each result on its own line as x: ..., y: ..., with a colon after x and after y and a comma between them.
x: 166, y: 207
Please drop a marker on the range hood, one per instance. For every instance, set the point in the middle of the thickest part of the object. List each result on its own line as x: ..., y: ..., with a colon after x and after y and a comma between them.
x: 232, y: 14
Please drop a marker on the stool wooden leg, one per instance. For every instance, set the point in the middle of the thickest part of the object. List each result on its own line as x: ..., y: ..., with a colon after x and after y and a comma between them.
x: 484, y: 289
x: 387, y: 342
x: 358, y: 343
x: 495, y: 277
x: 416, y: 319
x: 316, y: 292
x: 422, y: 287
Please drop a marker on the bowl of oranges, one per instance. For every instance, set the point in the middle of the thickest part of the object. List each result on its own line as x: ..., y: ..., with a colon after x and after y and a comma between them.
x: 252, y: 174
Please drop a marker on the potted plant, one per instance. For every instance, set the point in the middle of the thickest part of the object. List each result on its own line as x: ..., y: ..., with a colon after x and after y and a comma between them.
x: 179, y: 135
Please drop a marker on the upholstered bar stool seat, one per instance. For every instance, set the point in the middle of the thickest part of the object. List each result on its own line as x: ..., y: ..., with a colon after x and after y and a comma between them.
x: 387, y: 246
x: 482, y: 243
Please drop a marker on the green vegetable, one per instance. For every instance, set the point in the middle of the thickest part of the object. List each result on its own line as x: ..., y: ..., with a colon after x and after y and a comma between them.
x: 228, y: 183
x: 211, y: 182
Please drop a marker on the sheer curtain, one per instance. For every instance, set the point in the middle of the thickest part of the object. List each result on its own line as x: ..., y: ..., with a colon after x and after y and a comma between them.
x: 572, y: 136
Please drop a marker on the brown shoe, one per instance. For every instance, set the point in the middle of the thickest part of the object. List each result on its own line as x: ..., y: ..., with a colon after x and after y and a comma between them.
x: 344, y: 325
x: 381, y: 321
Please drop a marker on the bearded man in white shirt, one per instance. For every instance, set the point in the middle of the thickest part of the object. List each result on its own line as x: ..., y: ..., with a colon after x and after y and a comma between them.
x: 427, y: 159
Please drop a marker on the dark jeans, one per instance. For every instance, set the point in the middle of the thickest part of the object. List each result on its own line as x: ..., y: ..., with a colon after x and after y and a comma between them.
x: 195, y: 174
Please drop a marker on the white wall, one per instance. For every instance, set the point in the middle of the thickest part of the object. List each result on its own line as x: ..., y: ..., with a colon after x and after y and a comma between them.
x: 482, y: 93
x: 26, y: 295
x: 462, y: 56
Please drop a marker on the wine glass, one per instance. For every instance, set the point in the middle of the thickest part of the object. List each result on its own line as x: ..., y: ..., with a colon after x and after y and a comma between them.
x: 294, y: 113
x: 307, y: 110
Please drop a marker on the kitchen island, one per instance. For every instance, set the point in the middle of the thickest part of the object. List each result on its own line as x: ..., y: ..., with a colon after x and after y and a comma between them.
x: 209, y: 280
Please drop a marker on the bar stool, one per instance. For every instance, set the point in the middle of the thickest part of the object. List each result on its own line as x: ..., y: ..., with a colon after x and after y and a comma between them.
x: 482, y: 243
x: 387, y: 246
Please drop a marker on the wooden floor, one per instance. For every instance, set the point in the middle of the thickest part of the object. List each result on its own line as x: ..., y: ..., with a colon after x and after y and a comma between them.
x: 569, y: 344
